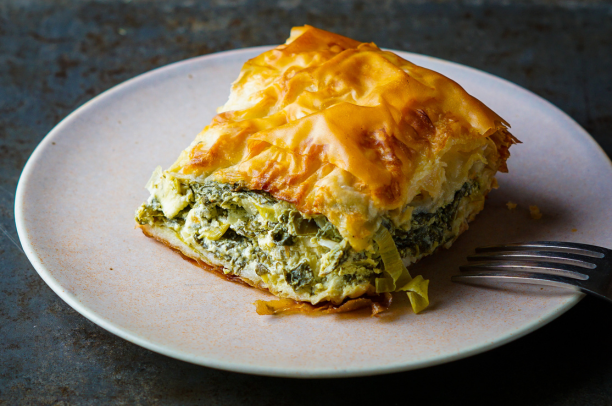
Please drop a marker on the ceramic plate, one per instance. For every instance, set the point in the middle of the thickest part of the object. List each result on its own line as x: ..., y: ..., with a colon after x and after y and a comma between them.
x: 75, y: 216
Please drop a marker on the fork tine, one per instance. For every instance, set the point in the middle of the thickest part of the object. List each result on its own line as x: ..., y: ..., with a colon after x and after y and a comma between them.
x: 569, y: 247
x: 521, y: 277
x: 569, y: 271
x: 548, y: 256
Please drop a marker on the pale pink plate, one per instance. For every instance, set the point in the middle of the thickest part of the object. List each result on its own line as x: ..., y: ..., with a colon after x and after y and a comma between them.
x: 78, y: 193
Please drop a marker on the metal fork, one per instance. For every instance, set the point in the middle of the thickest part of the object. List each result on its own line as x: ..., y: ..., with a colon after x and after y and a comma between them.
x: 582, y: 267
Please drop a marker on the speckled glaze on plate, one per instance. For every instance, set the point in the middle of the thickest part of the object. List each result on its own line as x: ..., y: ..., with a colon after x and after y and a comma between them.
x: 78, y: 193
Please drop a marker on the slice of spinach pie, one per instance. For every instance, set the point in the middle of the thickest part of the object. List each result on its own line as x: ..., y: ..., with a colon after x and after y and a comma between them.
x: 332, y: 166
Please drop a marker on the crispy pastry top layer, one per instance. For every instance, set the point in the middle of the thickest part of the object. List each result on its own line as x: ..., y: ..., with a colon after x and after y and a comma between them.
x: 338, y: 127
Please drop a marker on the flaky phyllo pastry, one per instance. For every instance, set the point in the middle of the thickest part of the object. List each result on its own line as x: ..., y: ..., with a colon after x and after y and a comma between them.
x: 331, y: 162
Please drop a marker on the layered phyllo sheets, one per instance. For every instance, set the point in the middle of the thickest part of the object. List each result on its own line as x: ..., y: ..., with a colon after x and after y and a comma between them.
x: 333, y: 167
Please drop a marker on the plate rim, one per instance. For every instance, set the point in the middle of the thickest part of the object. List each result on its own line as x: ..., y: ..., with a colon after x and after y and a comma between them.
x: 135, y: 338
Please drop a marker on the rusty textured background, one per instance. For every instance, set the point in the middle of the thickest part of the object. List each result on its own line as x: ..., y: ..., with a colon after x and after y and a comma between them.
x: 56, y: 55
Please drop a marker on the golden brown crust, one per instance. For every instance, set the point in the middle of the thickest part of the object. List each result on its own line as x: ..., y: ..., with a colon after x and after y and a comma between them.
x: 377, y: 304
x: 340, y: 128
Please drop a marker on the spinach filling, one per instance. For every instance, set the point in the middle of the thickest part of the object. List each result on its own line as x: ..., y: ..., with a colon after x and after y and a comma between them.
x: 253, y: 229
x: 300, y: 276
x: 430, y: 230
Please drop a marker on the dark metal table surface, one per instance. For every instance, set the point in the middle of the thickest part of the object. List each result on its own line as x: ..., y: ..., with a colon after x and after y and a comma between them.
x: 57, y: 54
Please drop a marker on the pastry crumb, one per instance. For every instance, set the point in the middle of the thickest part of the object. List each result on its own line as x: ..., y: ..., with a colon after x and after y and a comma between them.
x: 574, y: 230
x: 535, y: 212
x: 511, y: 205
